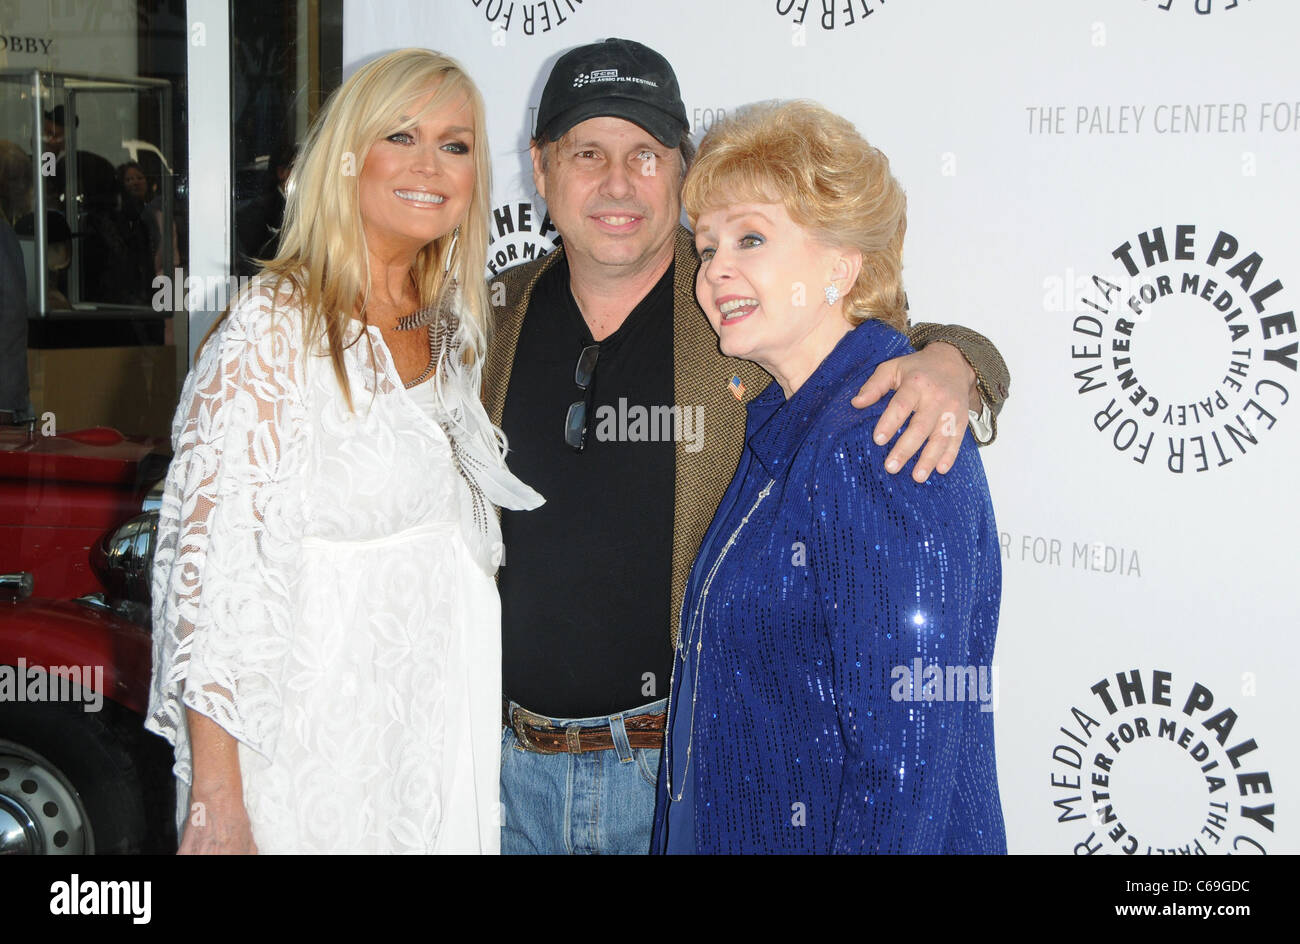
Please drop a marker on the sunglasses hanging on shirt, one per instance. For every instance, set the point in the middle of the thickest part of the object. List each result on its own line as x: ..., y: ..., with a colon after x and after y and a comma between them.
x: 584, y: 375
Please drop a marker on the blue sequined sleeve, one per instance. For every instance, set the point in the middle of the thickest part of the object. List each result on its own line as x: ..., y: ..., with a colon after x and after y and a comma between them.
x: 908, y: 577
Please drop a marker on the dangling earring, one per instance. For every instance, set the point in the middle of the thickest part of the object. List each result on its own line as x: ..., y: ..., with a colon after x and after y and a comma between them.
x: 447, y: 310
x: 455, y: 235
x: 832, y: 294
x: 445, y: 313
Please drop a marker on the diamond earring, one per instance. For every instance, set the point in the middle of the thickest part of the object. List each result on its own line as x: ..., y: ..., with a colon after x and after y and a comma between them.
x: 832, y: 294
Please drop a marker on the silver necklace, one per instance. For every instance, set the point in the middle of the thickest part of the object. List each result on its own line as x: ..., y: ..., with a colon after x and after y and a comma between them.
x: 684, y: 645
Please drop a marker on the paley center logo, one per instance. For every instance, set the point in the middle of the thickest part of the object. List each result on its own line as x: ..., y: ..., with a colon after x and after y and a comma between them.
x: 1185, y: 351
x: 519, y: 234
x: 1153, y: 763
x: 532, y: 18
x: 1200, y: 7
x: 827, y: 14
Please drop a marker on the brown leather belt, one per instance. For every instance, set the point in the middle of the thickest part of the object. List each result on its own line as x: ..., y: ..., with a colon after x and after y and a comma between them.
x: 537, y: 735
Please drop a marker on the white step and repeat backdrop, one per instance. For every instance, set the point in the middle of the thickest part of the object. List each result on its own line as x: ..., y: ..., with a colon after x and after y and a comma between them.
x: 1108, y: 188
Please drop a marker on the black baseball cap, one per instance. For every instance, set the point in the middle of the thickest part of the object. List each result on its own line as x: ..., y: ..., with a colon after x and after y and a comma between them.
x: 616, y: 78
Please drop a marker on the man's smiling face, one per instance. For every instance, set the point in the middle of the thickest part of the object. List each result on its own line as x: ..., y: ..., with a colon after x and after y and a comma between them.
x: 613, y: 192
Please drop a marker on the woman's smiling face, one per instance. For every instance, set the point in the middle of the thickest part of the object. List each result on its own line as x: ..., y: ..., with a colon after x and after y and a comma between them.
x: 416, y: 184
x: 761, y: 281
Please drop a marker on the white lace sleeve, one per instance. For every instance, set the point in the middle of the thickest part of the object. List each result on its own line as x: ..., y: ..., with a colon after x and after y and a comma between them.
x: 229, y: 530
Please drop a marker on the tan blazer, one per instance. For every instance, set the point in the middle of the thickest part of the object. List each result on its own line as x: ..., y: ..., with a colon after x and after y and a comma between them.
x: 701, y: 377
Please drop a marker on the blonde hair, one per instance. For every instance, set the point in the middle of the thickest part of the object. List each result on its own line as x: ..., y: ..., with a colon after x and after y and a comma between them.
x: 829, y: 179
x: 322, y: 251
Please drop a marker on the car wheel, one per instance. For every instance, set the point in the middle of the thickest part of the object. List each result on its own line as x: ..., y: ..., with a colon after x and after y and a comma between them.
x: 77, y: 782
x: 39, y: 809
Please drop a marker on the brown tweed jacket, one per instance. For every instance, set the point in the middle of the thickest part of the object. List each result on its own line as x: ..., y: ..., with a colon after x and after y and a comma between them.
x: 701, y: 378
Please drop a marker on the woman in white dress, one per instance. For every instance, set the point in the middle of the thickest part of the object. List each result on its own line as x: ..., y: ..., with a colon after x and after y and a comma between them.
x: 326, y: 625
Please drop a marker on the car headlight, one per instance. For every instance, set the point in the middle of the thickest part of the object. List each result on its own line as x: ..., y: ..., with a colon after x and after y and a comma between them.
x: 123, y: 562
x: 153, y: 498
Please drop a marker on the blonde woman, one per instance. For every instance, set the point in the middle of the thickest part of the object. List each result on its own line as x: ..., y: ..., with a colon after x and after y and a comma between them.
x: 823, y: 580
x: 326, y: 625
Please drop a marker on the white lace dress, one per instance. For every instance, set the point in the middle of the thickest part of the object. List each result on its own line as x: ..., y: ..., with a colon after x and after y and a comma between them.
x: 323, y: 590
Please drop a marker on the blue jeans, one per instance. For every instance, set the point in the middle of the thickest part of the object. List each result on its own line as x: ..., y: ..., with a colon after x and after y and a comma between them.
x: 600, y: 802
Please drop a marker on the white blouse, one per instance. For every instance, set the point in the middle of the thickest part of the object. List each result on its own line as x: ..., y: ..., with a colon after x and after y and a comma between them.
x: 425, y: 397
x: 323, y: 590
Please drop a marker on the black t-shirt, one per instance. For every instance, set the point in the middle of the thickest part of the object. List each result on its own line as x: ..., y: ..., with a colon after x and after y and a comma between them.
x: 585, y: 586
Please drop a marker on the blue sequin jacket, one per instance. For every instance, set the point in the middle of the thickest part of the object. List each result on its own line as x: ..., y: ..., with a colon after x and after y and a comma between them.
x: 832, y: 689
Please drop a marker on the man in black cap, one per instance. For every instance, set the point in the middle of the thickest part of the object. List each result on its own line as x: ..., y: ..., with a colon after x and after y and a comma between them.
x: 619, y: 408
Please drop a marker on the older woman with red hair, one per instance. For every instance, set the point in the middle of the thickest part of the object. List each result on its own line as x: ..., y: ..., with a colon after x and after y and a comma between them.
x: 790, y: 726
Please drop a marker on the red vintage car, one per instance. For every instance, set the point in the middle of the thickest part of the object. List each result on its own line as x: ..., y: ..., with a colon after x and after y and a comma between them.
x: 78, y: 772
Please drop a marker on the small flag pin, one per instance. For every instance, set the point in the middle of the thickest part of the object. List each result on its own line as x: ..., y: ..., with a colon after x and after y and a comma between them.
x: 737, y: 388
